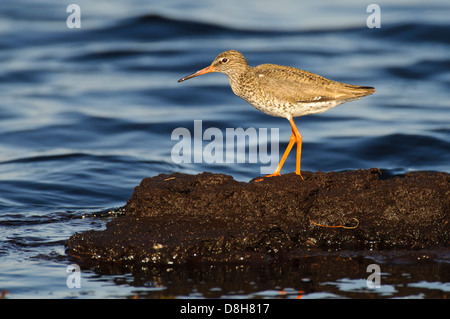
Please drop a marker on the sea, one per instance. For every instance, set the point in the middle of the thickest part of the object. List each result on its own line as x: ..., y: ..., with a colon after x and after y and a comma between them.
x: 90, y: 105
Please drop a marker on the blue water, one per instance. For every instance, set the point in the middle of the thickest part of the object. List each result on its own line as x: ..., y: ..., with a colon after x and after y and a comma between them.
x: 86, y: 113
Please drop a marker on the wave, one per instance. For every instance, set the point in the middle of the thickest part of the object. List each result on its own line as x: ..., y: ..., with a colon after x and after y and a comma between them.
x: 153, y: 26
x: 404, y: 150
x: 423, y: 69
x: 415, y: 32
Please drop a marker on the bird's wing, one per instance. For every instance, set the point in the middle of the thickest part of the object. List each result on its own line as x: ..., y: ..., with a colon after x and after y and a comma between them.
x: 298, y: 86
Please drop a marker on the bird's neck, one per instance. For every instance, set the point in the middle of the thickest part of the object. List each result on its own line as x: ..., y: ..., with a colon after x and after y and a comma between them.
x: 236, y: 77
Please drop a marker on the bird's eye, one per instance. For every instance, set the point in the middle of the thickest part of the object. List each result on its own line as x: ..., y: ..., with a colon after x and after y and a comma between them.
x: 224, y: 60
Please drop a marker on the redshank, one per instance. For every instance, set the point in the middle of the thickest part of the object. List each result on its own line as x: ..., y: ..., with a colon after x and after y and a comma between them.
x: 282, y: 91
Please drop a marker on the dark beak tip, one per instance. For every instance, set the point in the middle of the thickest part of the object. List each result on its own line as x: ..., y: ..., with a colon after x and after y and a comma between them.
x: 185, y: 78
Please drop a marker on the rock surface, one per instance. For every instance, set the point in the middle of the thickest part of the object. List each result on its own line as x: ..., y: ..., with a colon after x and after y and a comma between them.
x: 181, y: 219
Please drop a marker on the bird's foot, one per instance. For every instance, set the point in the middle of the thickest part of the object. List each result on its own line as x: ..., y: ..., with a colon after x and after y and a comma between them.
x: 275, y: 174
x: 262, y: 178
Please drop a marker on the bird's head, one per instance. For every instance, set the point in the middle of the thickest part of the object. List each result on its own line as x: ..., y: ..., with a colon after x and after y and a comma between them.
x: 228, y: 62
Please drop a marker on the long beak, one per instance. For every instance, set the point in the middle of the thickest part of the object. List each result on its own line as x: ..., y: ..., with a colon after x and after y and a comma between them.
x: 208, y: 69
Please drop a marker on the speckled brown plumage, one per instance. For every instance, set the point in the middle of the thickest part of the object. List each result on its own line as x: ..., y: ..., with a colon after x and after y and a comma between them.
x: 282, y: 91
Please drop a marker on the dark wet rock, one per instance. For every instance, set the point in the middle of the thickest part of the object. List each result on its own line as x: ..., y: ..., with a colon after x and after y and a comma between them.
x: 180, y: 218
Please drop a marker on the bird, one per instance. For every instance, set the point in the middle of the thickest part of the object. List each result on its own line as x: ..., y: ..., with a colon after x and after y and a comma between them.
x: 282, y: 91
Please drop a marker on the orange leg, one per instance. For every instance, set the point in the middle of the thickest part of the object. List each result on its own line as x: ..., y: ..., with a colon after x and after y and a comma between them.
x: 295, y: 137
x: 298, y: 139
x: 285, y: 155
